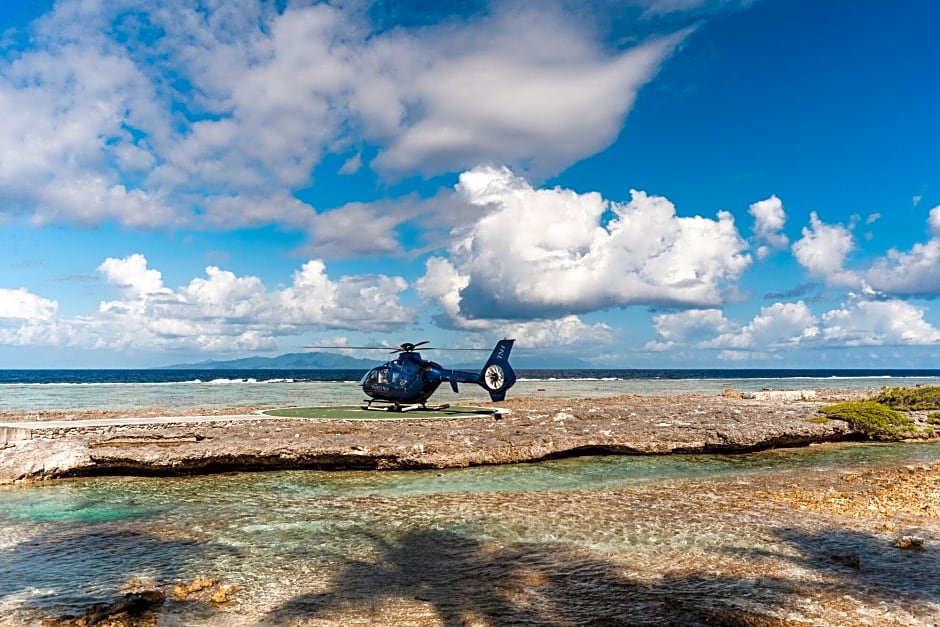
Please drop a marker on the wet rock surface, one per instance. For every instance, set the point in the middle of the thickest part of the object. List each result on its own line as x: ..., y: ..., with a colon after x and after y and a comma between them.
x: 531, y: 430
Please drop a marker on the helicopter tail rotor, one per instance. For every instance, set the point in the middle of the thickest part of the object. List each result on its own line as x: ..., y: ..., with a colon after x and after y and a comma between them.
x: 497, y: 376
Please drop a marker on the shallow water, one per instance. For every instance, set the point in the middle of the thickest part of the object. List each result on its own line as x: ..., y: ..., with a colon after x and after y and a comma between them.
x: 558, y: 542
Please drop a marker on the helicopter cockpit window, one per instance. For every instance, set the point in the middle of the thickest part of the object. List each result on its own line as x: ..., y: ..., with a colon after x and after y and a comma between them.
x: 379, y: 375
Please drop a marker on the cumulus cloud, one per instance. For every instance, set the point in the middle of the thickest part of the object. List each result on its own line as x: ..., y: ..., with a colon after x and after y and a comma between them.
x: 27, y: 319
x: 543, y: 253
x: 22, y: 304
x: 132, y: 275
x: 777, y: 326
x: 878, y: 323
x: 218, y: 312
x: 934, y: 221
x: 783, y: 326
x: 912, y: 273
x: 769, y: 220
x: 567, y: 331
x: 690, y: 327
x: 823, y: 250
x: 916, y: 272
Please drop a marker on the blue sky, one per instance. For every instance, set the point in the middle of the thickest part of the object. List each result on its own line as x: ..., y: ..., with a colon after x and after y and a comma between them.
x: 655, y: 183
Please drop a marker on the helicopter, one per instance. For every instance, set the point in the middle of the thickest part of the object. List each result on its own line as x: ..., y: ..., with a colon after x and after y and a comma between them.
x: 406, y: 382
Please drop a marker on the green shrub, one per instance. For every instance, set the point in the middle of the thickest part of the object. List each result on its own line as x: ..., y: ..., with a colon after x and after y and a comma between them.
x: 911, y: 399
x: 873, y: 419
x: 933, y: 419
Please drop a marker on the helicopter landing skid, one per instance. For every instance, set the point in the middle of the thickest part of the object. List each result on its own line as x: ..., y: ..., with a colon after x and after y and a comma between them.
x: 374, y: 405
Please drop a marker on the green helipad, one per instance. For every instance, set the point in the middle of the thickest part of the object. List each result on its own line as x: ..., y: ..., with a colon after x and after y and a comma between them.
x: 354, y: 412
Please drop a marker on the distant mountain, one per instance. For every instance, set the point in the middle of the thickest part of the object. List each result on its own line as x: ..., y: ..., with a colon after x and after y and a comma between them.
x: 290, y: 361
x: 333, y: 361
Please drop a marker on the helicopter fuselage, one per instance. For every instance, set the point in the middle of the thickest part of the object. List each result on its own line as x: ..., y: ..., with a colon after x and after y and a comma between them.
x: 407, y: 379
x: 410, y: 380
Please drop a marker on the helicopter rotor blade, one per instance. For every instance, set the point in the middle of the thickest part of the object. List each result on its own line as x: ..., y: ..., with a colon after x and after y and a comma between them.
x: 408, y: 347
x: 403, y: 348
x: 363, y: 348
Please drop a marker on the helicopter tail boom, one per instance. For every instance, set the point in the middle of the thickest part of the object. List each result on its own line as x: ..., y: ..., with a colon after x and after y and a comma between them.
x: 496, y: 376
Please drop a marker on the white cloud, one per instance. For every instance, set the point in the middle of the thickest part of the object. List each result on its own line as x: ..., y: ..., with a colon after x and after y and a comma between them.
x: 823, y: 249
x: 769, y: 220
x: 221, y: 312
x: 24, y: 305
x: 363, y: 302
x: 878, y: 323
x: 568, y: 331
x: 665, y: 7
x: 187, y: 114
x: 777, y: 326
x: 357, y: 229
x: 225, y: 295
x: 27, y: 319
x: 441, y: 283
x: 934, y: 221
x: 539, y: 92
x: 65, y: 119
x: 912, y: 273
x: 781, y: 325
x: 784, y: 326
x: 132, y: 275
x: 541, y: 253
x: 688, y: 327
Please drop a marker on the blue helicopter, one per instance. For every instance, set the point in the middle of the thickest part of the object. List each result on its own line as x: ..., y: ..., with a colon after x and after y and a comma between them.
x: 407, y: 382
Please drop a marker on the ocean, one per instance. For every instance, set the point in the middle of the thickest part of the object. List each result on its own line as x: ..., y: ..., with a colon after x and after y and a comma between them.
x: 65, y: 390
x: 614, y: 540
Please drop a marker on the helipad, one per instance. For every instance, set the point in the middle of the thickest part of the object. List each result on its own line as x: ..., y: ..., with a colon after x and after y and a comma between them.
x: 354, y: 412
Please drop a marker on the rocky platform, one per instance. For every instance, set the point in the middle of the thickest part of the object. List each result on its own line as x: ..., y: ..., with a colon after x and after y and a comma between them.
x: 531, y: 430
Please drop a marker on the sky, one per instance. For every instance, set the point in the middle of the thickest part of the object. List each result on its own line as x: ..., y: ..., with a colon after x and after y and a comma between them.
x: 628, y: 183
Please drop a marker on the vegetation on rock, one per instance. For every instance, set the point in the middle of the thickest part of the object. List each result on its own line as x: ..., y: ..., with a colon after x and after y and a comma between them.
x: 925, y: 397
x: 885, y: 417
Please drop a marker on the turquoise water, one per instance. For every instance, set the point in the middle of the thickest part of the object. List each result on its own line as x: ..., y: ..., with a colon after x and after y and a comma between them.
x: 291, y: 541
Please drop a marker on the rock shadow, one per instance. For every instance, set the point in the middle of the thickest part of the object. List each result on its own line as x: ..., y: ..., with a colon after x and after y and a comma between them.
x: 72, y: 568
x: 459, y: 580
x: 465, y: 581
x: 868, y: 567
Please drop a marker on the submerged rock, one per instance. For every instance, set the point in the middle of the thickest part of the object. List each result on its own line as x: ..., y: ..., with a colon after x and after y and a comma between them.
x: 133, y: 609
x: 909, y: 542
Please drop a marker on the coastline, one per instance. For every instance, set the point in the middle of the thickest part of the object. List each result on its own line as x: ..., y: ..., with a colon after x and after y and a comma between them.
x: 151, y: 442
